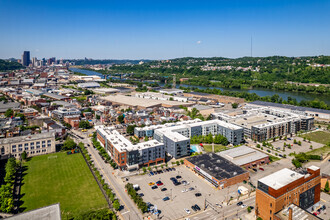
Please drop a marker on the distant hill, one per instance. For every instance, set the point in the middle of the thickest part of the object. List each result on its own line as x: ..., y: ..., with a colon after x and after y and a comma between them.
x: 93, y: 62
x: 9, y: 65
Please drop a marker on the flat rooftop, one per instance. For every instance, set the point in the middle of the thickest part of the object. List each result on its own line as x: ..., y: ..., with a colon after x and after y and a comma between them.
x: 297, y: 214
x: 216, y: 166
x: 141, y: 102
x: 242, y: 155
x: 51, y: 212
x: 281, y: 178
x: 34, y: 137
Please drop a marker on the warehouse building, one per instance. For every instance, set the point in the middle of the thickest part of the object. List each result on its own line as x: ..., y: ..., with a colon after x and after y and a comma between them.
x: 88, y: 85
x: 246, y: 157
x: 127, y: 155
x: 285, y: 187
x: 217, y: 170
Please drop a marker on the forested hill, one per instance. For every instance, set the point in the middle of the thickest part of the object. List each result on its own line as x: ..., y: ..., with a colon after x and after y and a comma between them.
x: 9, y: 65
x: 245, y: 70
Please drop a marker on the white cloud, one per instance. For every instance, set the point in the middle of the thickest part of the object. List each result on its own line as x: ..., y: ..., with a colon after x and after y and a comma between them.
x: 199, y: 42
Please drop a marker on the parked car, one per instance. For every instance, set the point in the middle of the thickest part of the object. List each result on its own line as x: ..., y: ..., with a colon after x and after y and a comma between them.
x: 163, y: 189
x: 191, y: 188
x: 198, y: 194
x: 239, y: 203
x: 193, y: 208
x: 166, y: 198
x: 197, y: 207
x: 254, y: 169
x: 251, y: 207
x: 260, y: 168
x: 243, y: 206
x: 173, y: 169
x: 187, y: 210
x: 141, y: 194
x: 172, y: 178
x: 154, y: 187
x: 152, y: 173
x: 178, y: 177
x: 184, y: 190
x: 160, y: 184
x: 151, y: 183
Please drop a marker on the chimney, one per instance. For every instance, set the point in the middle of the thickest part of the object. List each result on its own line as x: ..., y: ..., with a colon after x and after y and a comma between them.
x: 290, y: 213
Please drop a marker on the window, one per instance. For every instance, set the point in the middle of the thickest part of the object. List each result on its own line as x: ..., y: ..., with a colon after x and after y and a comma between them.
x: 26, y: 144
x: 43, y: 142
x: 32, y: 144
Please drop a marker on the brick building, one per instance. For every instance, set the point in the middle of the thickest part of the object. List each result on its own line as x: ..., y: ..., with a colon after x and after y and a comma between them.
x: 72, y: 120
x: 282, y: 188
x: 217, y: 170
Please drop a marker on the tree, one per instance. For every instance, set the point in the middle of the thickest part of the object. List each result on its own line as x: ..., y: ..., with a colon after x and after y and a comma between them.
x: 326, y: 187
x: 299, y: 143
x: 146, y: 138
x: 116, y: 205
x: 88, y: 92
x: 234, y: 105
x: 120, y: 118
x: 24, y: 155
x: 311, y: 147
x: 84, y: 124
x: 130, y: 129
x: 144, y: 169
x: 69, y: 144
x: 9, y: 113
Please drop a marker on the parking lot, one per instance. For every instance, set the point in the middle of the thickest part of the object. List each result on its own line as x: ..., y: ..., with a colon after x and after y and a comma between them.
x: 178, y: 200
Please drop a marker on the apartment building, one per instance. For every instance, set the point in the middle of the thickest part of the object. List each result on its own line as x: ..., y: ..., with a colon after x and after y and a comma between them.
x: 127, y: 155
x: 285, y: 187
x: 61, y: 112
x: 263, y: 123
x: 33, y: 145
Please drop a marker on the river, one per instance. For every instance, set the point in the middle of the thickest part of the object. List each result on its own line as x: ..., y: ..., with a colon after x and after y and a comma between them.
x: 259, y: 91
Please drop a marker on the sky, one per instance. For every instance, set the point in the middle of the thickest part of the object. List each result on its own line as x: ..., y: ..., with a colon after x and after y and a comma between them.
x: 157, y: 29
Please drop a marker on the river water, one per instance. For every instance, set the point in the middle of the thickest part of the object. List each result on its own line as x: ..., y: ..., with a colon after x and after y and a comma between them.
x: 259, y: 91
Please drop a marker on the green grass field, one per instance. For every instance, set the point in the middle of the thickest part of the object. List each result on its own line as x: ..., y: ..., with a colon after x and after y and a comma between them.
x: 320, y: 151
x: 322, y: 137
x: 217, y: 148
x: 60, y: 178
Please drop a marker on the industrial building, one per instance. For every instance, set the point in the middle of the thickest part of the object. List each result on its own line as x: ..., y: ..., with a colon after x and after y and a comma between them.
x: 127, y: 155
x: 33, y: 145
x: 88, y: 85
x: 217, y: 170
x: 285, y: 187
x: 246, y: 157
x: 61, y: 112
x: 263, y: 123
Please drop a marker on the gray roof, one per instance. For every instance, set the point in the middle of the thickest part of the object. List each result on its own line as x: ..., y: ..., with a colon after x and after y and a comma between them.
x: 52, y: 212
x: 5, y: 106
x: 55, y: 96
x: 292, y: 107
x: 242, y: 155
x: 27, y: 138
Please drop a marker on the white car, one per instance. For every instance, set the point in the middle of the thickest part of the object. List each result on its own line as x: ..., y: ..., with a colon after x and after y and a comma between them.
x: 243, y: 206
x: 184, y: 190
x: 187, y: 210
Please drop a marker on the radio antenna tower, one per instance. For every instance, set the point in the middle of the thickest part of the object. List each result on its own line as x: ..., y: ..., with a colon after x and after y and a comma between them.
x: 251, y: 46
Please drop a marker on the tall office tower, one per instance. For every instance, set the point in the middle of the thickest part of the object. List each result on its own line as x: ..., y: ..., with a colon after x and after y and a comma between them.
x: 34, y: 61
x: 26, y: 58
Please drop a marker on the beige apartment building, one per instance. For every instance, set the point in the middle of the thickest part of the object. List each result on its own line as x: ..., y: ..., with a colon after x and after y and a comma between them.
x: 33, y: 145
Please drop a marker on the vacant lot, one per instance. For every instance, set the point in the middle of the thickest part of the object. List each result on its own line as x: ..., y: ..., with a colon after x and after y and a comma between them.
x: 322, y: 137
x: 60, y: 178
x: 320, y: 151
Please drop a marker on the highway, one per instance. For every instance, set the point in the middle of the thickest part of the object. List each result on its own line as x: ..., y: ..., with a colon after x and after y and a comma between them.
x: 130, y: 211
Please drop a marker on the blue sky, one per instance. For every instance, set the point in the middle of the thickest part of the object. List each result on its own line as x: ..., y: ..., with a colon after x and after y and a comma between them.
x: 163, y: 29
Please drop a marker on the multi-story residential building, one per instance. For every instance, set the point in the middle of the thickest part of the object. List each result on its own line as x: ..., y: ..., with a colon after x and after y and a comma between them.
x: 264, y: 123
x: 282, y: 188
x: 127, y: 155
x: 61, y: 112
x: 33, y: 145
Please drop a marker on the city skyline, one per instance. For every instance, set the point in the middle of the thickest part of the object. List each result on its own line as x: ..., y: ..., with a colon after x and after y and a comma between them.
x: 148, y: 30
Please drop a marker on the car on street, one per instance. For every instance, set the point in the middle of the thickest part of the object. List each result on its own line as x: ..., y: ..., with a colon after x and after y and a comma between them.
x: 154, y: 187
x: 151, y: 183
x: 198, y: 194
x: 166, y: 198
x: 239, y: 203
x: 163, y: 189
x: 178, y: 177
x: 187, y: 210
x: 243, y: 206
x: 254, y: 169
x: 191, y: 188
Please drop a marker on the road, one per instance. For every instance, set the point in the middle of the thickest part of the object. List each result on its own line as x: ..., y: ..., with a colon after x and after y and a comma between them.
x: 130, y: 211
x: 227, y: 212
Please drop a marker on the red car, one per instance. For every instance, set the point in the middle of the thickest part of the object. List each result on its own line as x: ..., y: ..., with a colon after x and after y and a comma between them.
x: 260, y: 168
x: 160, y: 184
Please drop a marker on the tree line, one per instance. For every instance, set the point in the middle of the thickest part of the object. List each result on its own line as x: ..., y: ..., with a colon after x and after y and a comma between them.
x: 6, y: 189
